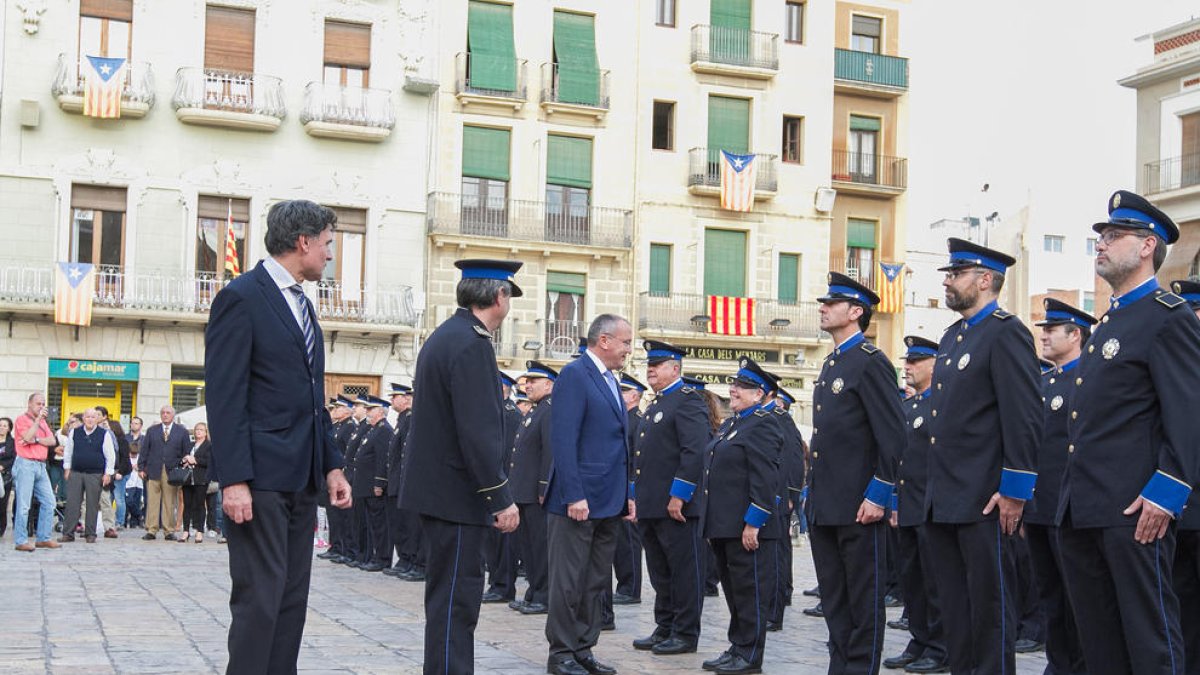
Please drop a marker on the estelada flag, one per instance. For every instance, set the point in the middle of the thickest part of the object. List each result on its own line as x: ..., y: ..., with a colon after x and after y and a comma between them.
x: 730, y: 315
x: 74, y: 288
x: 105, y: 78
x: 890, y: 288
x: 738, y: 174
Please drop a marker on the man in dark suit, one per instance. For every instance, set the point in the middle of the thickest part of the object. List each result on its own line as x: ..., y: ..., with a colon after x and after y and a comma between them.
x: 166, y: 443
x: 272, y: 437
x: 404, y: 527
x: 528, y: 471
x: 588, y: 494
x: 370, y: 467
x: 453, y: 473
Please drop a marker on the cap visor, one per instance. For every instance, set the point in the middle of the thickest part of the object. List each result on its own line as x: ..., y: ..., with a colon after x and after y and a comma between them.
x: 516, y: 290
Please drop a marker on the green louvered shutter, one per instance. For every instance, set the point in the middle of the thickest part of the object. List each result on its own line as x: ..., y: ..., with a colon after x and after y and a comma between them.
x: 789, y: 277
x: 569, y: 161
x: 493, y: 62
x: 575, y: 54
x: 660, y: 270
x: 728, y: 126
x: 864, y: 123
x: 566, y: 282
x: 725, y: 263
x: 860, y: 233
x: 485, y: 153
x: 729, y: 41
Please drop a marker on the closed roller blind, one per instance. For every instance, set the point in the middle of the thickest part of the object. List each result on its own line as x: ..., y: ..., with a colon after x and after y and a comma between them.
x: 107, y: 9
x: 218, y: 207
x: 490, y: 41
x: 728, y: 125
x: 98, y: 197
x: 575, y: 53
x: 569, y: 161
x: 860, y: 233
x: 485, y: 153
x: 229, y: 39
x: 347, y: 44
x: 725, y: 263
x: 566, y: 282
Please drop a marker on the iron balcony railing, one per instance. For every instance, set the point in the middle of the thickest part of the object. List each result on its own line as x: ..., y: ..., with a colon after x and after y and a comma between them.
x: 450, y: 213
x: 211, y: 89
x: 1174, y: 173
x: 502, y: 78
x: 704, y: 168
x: 118, y: 288
x: 562, y: 336
x: 689, y: 312
x: 870, y: 169
x: 735, y: 47
x: 575, y: 89
x: 358, y: 106
x: 137, y: 87
x: 870, y: 68
x: 860, y: 269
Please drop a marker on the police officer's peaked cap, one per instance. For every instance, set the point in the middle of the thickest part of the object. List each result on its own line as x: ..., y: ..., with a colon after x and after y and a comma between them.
x: 785, y: 396
x: 919, y: 348
x: 751, y: 374
x: 504, y: 270
x: 694, y: 383
x: 401, y: 389
x: 1134, y: 212
x: 1188, y: 290
x: 843, y: 288
x: 343, y: 401
x: 372, y: 401
x: 507, y: 380
x: 630, y: 382
x: 539, y: 369
x: 657, y: 352
x: 1059, y: 312
x: 964, y: 254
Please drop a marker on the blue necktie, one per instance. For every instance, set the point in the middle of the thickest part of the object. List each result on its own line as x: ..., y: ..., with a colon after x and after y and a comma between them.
x: 306, y: 325
x: 612, y: 385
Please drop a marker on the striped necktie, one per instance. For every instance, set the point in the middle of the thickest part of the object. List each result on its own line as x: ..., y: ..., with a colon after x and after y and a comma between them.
x: 306, y: 324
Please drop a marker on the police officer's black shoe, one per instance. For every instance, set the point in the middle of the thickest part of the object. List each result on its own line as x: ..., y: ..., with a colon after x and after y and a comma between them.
x: 674, y: 645
x: 900, y: 661
x: 611, y: 625
x: 891, y: 600
x: 493, y: 597
x: 1026, y: 645
x: 392, y: 572
x: 622, y: 599
x: 567, y: 666
x: 594, y: 667
x: 648, y: 643
x: 814, y: 592
x: 722, y: 659
x: 374, y: 567
x: 340, y: 560
x: 738, y: 666
x: 817, y: 611
x: 326, y: 555
x: 928, y: 664
x: 711, y: 592
x: 899, y: 624
x: 414, y: 575
x: 517, y: 604
x: 532, y: 608
x: 774, y: 626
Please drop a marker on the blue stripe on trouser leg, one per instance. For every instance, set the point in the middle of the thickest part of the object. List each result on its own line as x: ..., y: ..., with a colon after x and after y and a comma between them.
x: 1162, y: 603
x: 450, y: 604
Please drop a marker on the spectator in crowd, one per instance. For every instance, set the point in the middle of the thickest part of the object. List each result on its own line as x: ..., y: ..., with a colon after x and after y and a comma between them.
x: 112, y: 500
x: 54, y: 462
x: 163, y: 446
x: 89, y: 462
x: 195, y: 492
x: 8, y: 453
x: 135, y: 504
x: 33, y: 443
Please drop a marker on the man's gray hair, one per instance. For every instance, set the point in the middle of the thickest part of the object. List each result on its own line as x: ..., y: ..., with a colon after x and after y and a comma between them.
x: 288, y: 220
x: 604, y: 324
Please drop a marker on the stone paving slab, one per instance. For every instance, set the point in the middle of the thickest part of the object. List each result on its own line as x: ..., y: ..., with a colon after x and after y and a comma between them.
x: 133, y: 606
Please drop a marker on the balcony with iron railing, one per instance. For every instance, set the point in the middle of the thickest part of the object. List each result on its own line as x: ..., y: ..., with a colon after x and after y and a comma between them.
x: 704, y: 173
x: 510, y: 220
x: 562, y: 337
x: 582, y: 93
x: 349, y: 113
x: 877, y: 75
x: 489, y: 81
x: 137, y: 88
x: 751, y: 54
x: 176, y: 296
x: 1173, y: 173
x: 222, y: 98
x: 688, y: 313
x: 869, y: 174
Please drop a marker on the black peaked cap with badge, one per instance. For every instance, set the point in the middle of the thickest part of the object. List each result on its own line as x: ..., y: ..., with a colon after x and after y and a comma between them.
x: 658, y: 351
x: 842, y: 287
x: 965, y: 254
x: 536, y: 369
x: 1132, y: 211
x: 1059, y: 312
x: 501, y: 270
x: 919, y: 348
x: 751, y: 374
x: 630, y: 382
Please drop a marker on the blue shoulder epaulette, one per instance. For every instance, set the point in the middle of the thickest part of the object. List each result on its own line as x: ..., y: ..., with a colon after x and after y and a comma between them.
x: 1001, y: 314
x: 1170, y: 300
x: 869, y: 348
x: 482, y: 332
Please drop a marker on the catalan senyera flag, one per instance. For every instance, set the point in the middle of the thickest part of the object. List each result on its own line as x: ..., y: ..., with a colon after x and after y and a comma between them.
x: 231, y: 256
x: 730, y: 316
x: 737, y: 181
x: 890, y: 288
x: 74, y: 288
x: 104, y: 80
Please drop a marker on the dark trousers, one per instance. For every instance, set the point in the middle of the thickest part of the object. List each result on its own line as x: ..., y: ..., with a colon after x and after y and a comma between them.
x: 360, y: 538
x: 1125, y: 606
x: 453, y: 588
x: 211, y: 505
x: 195, y: 507
x: 135, y: 506
x: 919, y: 588
x: 378, y: 548
x: 534, y: 549
x: 783, y: 569
x: 627, y: 561
x: 339, y: 526
x: 270, y: 560
x: 851, y: 562
x: 501, y: 561
x: 891, y: 540
x: 972, y: 570
x: 1064, y: 656
x: 744, y: 580
x: 712, y: 576
x: 397, y: 532
x: 581, y: 554
x: 675, y: 559
x: 415, y: 550
x: 1023, y: 592
x: 81, y: 486
x: 1187, y: 589
x: 4, y: 502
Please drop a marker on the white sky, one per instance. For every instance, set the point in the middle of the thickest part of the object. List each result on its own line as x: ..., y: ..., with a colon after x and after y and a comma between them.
x: 1023, y: 95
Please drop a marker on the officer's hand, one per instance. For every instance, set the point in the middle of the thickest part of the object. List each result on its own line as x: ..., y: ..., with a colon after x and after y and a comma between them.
x: 894, y: 519
x: 508, y: 519
x: 632, y: 515
x: 1153, y: 522
x: 1010, y: 511
x: 750, y: 538
x: 578, y: 510
x: 868, y: 513
x: 238, y: 504
x: 339, y: 489
x: 675, y: 509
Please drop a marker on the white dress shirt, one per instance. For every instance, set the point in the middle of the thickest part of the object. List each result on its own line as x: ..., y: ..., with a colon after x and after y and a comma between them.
x: 109, y: 446
x: 284, y: 280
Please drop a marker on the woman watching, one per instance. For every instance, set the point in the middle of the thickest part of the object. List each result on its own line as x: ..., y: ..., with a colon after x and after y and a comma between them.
x: 195, y: 492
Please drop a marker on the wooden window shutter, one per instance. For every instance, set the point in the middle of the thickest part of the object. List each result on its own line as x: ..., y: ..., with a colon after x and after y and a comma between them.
x: 350, y: 220
x: 98, y: 197
x: 347, y: 44
x: 122, y: 10
x: 1191, y: 133
x: 229, y: 39
x: 219, y: 207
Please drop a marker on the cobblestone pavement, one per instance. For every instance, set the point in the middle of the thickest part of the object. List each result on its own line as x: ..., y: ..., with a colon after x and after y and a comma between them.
x: 132, y: 606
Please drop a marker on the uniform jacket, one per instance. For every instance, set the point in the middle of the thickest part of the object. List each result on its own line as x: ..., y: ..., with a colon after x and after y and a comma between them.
x: 512, y: 424
x: 358, y: 435
x: 158, y: 453
x: 668, y: 455
x: 453, y: 458
x: 986, y: 418
x: 858, y: 433
x: 270, y: 427
x: 914, y: 463
x: 529, y: 468
x: 1057, y: 387
x: 395, y: 461
x: 742, y: 478
x: 791, y: 461
x: 1137, y: 427
x: 589, y: 442
x: 370, y: 463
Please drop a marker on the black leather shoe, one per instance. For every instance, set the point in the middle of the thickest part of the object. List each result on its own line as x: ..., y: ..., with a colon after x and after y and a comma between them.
x: 532, y: 608
x: 392, y: 572
x: 711, y: 592
x: 1025, y: 646
x: 900, y: 661
x: 593, y: 666
x: 374, y: 567
x: 170, y: 537
x: 648, y: 643
x: 817, y: 611
x: 611, y: 625
x: 674, y: 645
x: 622, y: 599
x: 722, y: 659
x: 890, y: 600
x: 415, y: 575
x: 814, y: 592
x: 326, y: 555
x: 492, y: 597
x: 738, y: 666
x: 149, y: 537
x: 899, y: 624
x: 927, y: 664
x: 517, y: 604
x: 566, y: 667
x: 774, y: 627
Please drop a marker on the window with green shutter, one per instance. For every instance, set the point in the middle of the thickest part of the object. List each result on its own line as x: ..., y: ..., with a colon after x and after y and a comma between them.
x: 729, y: 39
x: 789, y: 278
x: 566, y: 282
x: 660, y: 270
x: 578, y: 76
x: 860, y: 123
x: 730, y: 14
x: 725, y: 263
x: 485, y: 152
x: 493, y: 58
x: 860, y: 233
x: 728, y: 126
x: 569, y: 161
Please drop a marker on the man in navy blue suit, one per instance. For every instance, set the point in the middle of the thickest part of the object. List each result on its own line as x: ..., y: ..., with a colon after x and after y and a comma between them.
x: 272, y: 437
x: 588, y: 494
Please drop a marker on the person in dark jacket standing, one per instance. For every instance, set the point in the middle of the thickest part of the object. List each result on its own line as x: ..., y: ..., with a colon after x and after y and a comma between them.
x: 404, y: 527
x: 112, y: 498
x: 627, y: 559
x: 8, y: 454
x: 501, y: 556
x: 527, y: 474
x: 343, y: 425
x: 163, y: 446
x: 370, y: 486
x: 453, y: 473
x: 792, y: 476
x: 195, y: 491
x: 1187, y: 545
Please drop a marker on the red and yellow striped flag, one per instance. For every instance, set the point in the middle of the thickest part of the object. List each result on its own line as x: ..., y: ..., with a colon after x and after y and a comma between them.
x: 730, y: 316
x: 890, y: 288
x: 74, y: 288
x: 232, y: 264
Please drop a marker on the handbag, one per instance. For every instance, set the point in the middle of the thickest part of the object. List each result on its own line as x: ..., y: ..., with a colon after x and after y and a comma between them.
x: 180, y: 475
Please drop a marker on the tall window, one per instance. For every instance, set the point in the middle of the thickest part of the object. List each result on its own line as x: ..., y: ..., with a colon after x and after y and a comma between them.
x: 565, y: 293
x: 1052, y: 243
x: 105, y: 29
x: 485, y: 175
x: 187, y: 387
x: 568, y: 188
x: 664, y: 13
x: 860, y: 250
x: 793, y: 139
x: 228, y: 58
x: 342, y: 281
x: 491, y: 56
x: 98, y: 225
x: 1091, y: 246
x: 864, y: 141
x: 663, y: 137
x: 789, y: 278
x: 794, y: 22
x: 660, y: 270
x: 865, y: 33
x: 347, y: 53
x: 1190, y: 152
x: 724, y: 262
x: 216, y: 218
x: 576, y: 68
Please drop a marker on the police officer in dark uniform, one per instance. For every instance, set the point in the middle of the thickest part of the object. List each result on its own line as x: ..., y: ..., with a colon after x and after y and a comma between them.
x: 858, y: 436
x: 1187, y: 543
x: 401, y: 524
x: 627, y: 561
x: 1131, y: 452
x: 985, y: 425
x: 355, y: 518
x: 339, y: 412
x: 502, y: 550
x: 668, y: 460
x: 453, y: 473
x: 370, y: 470
x: 792, y: 475
x: 528, y: 472
x: 742, y: 482
x: 926, y: 651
